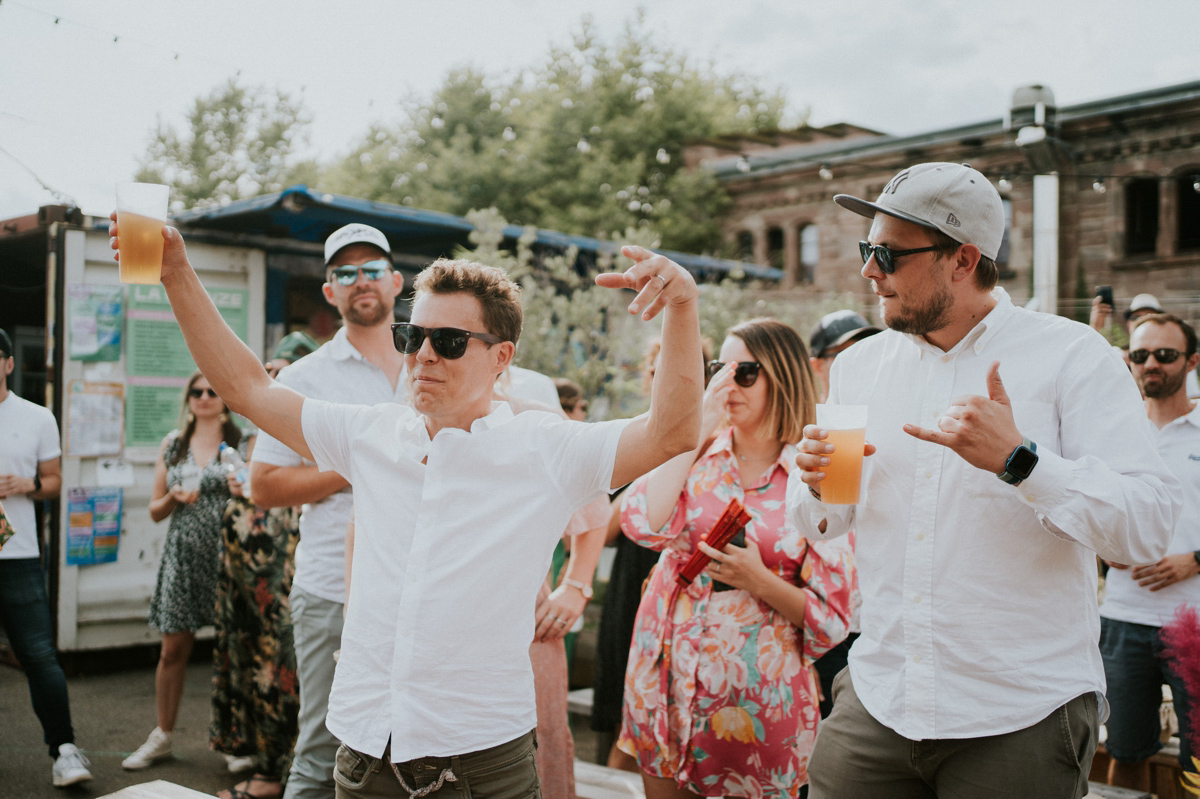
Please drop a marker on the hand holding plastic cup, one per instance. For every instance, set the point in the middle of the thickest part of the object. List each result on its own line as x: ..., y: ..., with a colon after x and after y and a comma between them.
x: 846, y: 429
x: 141, y: 215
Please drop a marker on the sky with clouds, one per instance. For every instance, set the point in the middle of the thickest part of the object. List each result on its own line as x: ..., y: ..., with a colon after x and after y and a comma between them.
x: 78, y: 108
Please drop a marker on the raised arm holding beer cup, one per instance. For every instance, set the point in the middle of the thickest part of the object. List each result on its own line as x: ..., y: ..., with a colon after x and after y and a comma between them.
x: 983, y: 506
x: 458, y: 504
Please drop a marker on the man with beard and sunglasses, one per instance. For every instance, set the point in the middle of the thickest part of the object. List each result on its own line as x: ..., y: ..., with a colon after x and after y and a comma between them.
x: 984, y: 503
x: 1139, y: 600
x: 359, y: 365
x: 458, y: 504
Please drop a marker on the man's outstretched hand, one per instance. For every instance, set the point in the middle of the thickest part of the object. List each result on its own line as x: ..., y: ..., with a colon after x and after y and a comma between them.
x: 980, y: 429
x: 658, y: 280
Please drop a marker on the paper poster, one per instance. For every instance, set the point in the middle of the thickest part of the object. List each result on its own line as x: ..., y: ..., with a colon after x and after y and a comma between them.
x: 95, y: 315
x: 95, y: 415
x: 94, y: 525
x: 157, y: 363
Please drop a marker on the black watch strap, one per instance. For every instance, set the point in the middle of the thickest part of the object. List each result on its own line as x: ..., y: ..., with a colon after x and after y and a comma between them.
x: 1020, y: 463
x: 1196, y: 555
x: 37, y: 483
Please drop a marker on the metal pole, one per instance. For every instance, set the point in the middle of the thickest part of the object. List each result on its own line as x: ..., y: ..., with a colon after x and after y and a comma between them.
x: 1045, y: 243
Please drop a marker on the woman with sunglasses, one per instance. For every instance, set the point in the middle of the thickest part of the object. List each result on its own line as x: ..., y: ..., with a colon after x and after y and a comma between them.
x: 185, y: 594
x: 720, y: 699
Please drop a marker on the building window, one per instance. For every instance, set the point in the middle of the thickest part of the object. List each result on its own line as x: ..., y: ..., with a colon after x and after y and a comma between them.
x: 745, y: 246
x: 1141, y: 216
x: 1188, y: 211
x: 810, y: 252
x: 775, y: 247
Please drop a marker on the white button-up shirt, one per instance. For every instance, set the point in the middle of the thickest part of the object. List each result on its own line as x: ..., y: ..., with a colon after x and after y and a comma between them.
x: 336, y: 372
x: 979, y: 598
x: 448, y: 558
x: 1124, y: 600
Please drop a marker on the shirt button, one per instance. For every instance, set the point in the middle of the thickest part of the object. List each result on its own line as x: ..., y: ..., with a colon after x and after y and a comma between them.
x: 920, y: 536
x: 1029, y: 497
x: 945, y: 358
x: 916, y: 658
x: 917, y: 599
x: 928, y: 474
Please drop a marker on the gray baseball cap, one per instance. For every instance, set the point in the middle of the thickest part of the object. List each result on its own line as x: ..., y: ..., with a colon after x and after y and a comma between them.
x: 836, y: 329
x: 355, y: 233
x: 953, y: 198
x: 5, y: 344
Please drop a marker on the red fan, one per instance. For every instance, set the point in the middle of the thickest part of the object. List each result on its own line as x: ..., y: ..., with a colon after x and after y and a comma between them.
x: 731, y: 522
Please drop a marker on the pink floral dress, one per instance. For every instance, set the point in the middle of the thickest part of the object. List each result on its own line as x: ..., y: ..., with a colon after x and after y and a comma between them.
x: 718, y: 692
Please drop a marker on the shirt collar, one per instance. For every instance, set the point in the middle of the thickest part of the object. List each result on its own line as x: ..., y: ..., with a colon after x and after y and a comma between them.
x: 341, y: 348
x: 723, y: 445
x: 979, y: 336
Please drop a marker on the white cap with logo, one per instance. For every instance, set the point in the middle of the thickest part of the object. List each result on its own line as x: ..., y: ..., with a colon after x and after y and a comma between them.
x: 953, y: 198
x: 355, y: 233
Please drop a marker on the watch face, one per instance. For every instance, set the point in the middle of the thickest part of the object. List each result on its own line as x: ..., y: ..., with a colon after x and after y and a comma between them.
x: 1022, y: 462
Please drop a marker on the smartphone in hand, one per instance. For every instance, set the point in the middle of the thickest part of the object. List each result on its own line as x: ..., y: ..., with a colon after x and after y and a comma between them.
x: 1105, y: 294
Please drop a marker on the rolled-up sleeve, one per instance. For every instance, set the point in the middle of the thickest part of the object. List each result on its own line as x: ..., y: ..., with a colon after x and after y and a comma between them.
x: 829, y: 581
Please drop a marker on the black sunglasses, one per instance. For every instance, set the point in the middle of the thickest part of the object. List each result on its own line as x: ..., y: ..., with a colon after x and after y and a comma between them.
x: 744, y: 374
x: 1162, y: 355
x: 448, y: 342
x: 197, y: 393
x: 884, y: 257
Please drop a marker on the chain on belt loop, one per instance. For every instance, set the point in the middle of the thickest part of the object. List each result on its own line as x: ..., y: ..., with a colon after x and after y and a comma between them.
x: 446, y: 776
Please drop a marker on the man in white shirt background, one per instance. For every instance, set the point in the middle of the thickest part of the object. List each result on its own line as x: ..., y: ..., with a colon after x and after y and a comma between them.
x: 457, y: 506
x: 30, y: 469
x: 1139, y: 600
x: 359, y: 365
x: 984, y: 502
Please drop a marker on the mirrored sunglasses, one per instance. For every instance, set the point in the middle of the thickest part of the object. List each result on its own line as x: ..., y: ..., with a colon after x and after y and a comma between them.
x: 1162, y: 355
x: 372, y: 270
x: 448, y: 342
x: 744, y: 374
x: 885, y: 258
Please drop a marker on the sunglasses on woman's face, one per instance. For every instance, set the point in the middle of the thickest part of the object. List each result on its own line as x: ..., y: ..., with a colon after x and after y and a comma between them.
x: 1162, y: 355
x: 197, y: 393
x: 745, y: 373
x: 448, y: 342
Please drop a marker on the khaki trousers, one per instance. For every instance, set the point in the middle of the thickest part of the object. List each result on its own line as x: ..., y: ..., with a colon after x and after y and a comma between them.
x: 856, y: 757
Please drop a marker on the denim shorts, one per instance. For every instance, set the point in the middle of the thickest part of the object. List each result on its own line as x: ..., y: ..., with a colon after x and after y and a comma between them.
x: 1135, y: 671
x: 507, y: 771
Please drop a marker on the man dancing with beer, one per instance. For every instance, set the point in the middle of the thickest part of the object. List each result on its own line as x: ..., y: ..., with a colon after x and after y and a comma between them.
x: 983, y: 507
x: 455, y: 524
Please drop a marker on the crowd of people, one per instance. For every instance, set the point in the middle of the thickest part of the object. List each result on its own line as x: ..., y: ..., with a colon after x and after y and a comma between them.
x: 407, y: 632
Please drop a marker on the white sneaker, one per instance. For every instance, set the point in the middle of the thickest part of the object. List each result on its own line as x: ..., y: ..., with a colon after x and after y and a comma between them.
x: 70, y: 767
x: 157, y: 747
x: 237, y: 764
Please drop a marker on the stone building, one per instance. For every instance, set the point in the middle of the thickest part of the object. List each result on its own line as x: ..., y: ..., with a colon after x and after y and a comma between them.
x: 1129, y: 193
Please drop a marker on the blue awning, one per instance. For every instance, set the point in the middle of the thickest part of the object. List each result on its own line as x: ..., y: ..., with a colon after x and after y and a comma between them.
x: 302, y: 214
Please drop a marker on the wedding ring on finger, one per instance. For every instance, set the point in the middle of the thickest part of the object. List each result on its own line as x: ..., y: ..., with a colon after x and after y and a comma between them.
x: 663, y: 279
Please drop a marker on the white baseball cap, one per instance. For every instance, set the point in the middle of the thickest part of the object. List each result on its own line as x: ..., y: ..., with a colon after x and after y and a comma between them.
x: 355, y: 234
x: 953, y: 198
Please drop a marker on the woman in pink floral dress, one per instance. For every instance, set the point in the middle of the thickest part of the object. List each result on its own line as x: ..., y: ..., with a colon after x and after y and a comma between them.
x: 719, y: 698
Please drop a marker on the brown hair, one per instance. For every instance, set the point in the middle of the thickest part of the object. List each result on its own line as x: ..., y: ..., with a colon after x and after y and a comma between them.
x: 987, y: 274
x: 230, y: 432
x: 650, y: 355
x: 1189, y: 333
x: 569, y: 393
x: 791, y: 387
x: 499, y: 295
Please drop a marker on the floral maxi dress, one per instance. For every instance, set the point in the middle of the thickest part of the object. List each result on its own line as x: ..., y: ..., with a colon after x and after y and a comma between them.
x: 719, y: 694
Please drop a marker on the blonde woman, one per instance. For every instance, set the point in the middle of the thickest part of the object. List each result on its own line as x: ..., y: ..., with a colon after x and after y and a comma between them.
x: 720, y: 699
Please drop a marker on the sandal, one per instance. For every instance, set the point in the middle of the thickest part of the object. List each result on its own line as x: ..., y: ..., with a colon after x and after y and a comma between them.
x: 242, y: 789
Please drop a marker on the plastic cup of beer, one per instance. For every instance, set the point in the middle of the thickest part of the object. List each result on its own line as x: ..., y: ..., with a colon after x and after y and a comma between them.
x: 141, y: 215
x: 846, y: 429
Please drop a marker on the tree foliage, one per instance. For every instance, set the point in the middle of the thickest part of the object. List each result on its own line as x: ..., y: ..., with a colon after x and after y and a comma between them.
x: 239, y: 141
x: 590, y: 142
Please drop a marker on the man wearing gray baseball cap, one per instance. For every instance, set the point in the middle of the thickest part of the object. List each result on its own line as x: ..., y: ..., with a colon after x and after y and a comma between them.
x: 983, y: 506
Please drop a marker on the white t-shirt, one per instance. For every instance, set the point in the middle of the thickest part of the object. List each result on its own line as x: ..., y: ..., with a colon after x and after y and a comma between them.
x: 28, y: 435
x: 448, y: 558
x: 979, y: 598
x: 1124, y: 600
x: 336, y: 372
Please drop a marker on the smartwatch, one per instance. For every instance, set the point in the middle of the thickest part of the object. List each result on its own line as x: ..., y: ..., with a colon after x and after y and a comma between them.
x: 37, y: 483
x: 584, y: 588
x: 1020, y: 463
